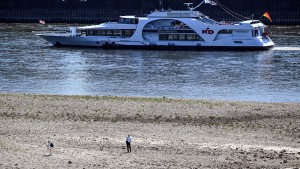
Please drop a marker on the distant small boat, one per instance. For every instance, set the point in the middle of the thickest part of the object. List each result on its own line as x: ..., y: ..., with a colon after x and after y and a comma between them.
x: 167, y: 29
x: 42, y: 21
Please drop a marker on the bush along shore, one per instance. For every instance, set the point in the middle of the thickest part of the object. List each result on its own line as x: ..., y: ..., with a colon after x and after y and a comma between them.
x: 90, y: 132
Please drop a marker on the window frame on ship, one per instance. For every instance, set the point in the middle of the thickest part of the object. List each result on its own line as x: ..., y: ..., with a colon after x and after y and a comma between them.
x: 123, y: 33
x: 180, y: 37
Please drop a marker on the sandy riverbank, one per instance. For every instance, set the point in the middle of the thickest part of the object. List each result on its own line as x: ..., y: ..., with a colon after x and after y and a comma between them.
x: 90, y: 132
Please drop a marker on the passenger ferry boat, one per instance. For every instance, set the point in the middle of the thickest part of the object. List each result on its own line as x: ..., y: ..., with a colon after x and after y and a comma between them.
x: 184, y: 30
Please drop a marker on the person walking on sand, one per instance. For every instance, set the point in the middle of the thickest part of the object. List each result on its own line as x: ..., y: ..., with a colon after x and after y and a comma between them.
x: 128, y: 141
x: 50, y: 147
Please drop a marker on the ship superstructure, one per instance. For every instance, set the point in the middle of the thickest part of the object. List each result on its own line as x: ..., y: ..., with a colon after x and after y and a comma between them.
x: 167, y: 29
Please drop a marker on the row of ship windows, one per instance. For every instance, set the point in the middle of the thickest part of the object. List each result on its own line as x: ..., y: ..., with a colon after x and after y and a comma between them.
x: 180, y: 37
x: 130, y: 32
x: 225, y: 31
x: 255, y: 32
x: 121, y: 32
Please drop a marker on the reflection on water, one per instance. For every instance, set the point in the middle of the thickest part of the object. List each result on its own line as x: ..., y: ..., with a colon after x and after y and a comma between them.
x: 285, y: 48
x: 28, y: 64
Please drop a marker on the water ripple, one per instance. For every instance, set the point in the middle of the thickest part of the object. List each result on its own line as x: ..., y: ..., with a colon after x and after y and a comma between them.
x: 28, y: 64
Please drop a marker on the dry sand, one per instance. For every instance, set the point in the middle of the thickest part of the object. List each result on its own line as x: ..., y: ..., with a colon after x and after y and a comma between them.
x: 90, y: 132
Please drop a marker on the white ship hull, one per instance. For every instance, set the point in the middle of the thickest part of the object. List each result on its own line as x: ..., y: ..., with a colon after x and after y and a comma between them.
x: 248, y: 44
x: 183, y: 30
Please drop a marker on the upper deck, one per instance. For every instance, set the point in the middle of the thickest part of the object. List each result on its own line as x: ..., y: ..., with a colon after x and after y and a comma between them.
x: 175, y: 14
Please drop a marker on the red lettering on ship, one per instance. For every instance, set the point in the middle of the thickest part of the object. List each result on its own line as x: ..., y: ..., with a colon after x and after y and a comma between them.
x: 208, y: 31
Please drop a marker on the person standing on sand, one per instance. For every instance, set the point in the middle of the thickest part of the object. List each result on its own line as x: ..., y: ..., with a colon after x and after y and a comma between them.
x: 50, y: 147
x: 128, y: 141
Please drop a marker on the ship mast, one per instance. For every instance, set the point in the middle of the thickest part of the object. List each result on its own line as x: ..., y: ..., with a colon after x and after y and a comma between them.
x: 161, y: 4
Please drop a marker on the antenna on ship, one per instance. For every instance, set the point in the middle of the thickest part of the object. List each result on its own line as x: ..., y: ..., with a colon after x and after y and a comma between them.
x: 188, y: 5
x: 161, y: 5
x: 230, y: 12
x: 191, y: 9
x: 227, y: 10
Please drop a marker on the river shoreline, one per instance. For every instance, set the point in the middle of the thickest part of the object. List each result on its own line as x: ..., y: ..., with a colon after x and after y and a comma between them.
x: 90, y: 132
